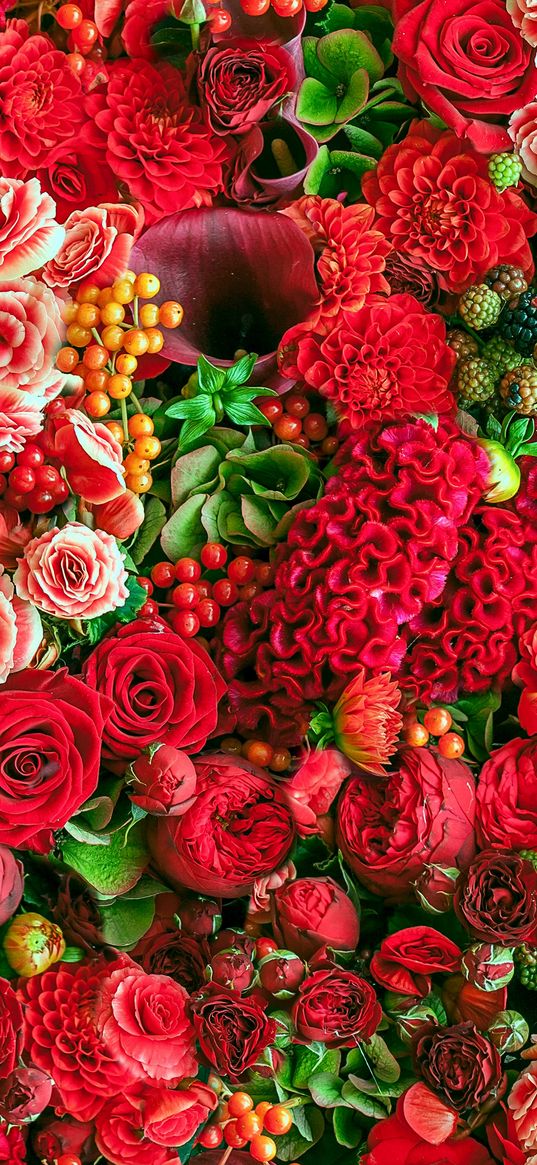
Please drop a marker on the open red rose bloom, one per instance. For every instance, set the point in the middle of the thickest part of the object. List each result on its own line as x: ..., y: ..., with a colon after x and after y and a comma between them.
x: 268, y: 577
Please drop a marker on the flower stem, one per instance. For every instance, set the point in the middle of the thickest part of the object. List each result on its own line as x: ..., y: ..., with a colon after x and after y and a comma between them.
x: 124, y: 418
x: 195, y: 35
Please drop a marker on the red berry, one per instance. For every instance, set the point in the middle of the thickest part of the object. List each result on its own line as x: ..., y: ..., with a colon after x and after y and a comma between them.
x: 145, y: 583
x: 76, y: 63
x: 255, y: 7
x: 225, y: 592
x: 211, y: 1137
x: 149, y: 610
x: 296, y: 404
x: 315, y: 426
x: 220, y: 20
x: 264, y: 573
x: 85, y: 35
x: 40, y: 501
x: 438, y: 721
x: 47, y: 477
x: 31, y: 455
x: 231, y: 1136
x: 303, y: 441
x: 187, y: 570
x: 240, y: 1103
x: 241, y: 570
x: 213, y: 555
x: 22, y: 479
x: 208, y: 613
x: 68, y: 1159
x: 69, y: 16
x: 185, y: 623
x: 60, y: 491
x: 7, y: 461
x: 163, y: 574
x: 265, y: 946
x: 288, y: 428
x: 330, y: 446
x: 204, y: 588
x: 451, y: 745
x: 185, y: 596
x: 270, y: 406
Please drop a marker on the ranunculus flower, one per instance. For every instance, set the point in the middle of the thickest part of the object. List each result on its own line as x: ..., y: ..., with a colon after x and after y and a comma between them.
x: 172, y: 1117
x: 232, y: 969
x: 523, y: 13
x: 31, y: 336
x: 458, y: 1064
x: 72, y: 573
x: 314, y: 787
x: 164, y: 688
x: 422, y: 813
x: 32, y: 944
x: 238, y: 829
x: 50, y: 746
x: 466, y: 62
x: 313, y: 912
x: 393, y: 1140
x: 496, y: 898
x: 24, y: 1096
x: 281, y: 973
x: 98, y: 243
x: 21, y: 630
x: 144, y: 1024
x: 11, y: 1029
x: 122, y: 516
x: 176, y: 954
x: 163, y: 782
x: 336, y: 1007
x: 240, y: 80
x: 90, y: 455
x: 406, y: 960
x: 522, y: 1101
x: 70, y: 175
x: 141, y: 17
x: 119, y: 1134
x: 506, y: 814
x: 232, y: 1030
x: 29, y: 233
x: 11, y: 883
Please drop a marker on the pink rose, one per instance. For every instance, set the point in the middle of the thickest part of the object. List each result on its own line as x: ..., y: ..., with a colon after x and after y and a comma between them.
x: 14, y: 536
x: 522, y: 1102
x: 312, y: 789
x: 172, y: 1118
x: 90, y: 455
x: 29, y: 233
x: 30, y: 337
x: 21, y: 417
x: 98, y: 242
x: 122, y: 516
x: 523, y: 13
x: 72, y: 573
x: 523, y: 134
x: 21, y: 631
x: 163, y: 783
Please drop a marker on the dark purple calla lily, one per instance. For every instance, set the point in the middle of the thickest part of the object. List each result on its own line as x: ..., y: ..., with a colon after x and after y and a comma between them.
x: 254, y: 178
x: 242, y: 276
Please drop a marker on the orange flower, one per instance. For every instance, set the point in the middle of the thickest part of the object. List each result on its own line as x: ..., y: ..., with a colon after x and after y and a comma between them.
x: 366, y: 721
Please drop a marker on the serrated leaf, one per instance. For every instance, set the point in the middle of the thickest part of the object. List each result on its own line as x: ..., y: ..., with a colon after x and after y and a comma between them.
x: 154, y: 519
x: 211, y: 379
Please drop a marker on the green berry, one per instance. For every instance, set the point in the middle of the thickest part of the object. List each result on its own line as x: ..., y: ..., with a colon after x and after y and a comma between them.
x: 480, y: 306
x: 518, y: 389
x: 529, y: 855
x: 475, y: 380
x: 526, y: 961
x: 501, y: 355
x: 504, y: 170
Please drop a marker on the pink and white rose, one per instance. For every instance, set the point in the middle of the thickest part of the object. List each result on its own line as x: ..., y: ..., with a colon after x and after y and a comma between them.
x: 30, y: 336
x: 72, y: 573
x: 29, y: 233
x: 522, y: 1102
x: 98, y: 243
x: 523, y: 13
x: 523, y: 134
x: 21, y: 417
x: 21, y: 630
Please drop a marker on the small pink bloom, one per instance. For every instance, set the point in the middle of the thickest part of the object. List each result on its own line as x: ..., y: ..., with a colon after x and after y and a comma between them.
x: 21, y: 417
x: 523, y: 13
x: 21, y: 631
x: 98, y: 242
x: 30, y: 337
x: 261, y: 893
x: 523, y: 1104
x: 523, y: 134
x: 73, y: 573
x: 90, y: 455
x: 122, y: 516
x: 314, y: 786
x: 29, y: 233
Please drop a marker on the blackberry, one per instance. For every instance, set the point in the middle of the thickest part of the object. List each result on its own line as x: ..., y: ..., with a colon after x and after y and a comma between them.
x: 506, y: 281
x: 462, y: 344
x: 480, y: 306
x: 519, y: 322
x: 518, y: 389
x: 475, y: 380
x: 501, y: 355
x: 526, y: 961
x: 504, y: 170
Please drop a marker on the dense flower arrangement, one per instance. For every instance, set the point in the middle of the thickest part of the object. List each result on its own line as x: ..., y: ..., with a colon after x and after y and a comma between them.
x: 268, y: 566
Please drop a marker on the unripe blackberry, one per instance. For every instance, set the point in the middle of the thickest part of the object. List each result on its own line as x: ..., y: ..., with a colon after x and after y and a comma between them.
x: 501, y: 355
x: 480, y: 306
x: 529, y: 855
x: 462, y: 344
x: 518, y: 389
x: 526, y: 961
x: 506, y: 281
x: 504, y: 170
x: 519, y: 322
x: 475, y: 380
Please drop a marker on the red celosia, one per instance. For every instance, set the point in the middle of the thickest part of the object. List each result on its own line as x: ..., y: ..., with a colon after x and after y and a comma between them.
x: 155, y: 142
x: 391, y: 357
x: 435, y: 203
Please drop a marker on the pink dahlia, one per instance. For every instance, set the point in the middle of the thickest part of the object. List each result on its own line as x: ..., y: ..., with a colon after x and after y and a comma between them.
x: 155, y: 142
x: 434, y: 201
x: 40, y: 98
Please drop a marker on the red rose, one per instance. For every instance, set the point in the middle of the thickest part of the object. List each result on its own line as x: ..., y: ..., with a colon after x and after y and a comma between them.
x: 11, y: 883
x: 393, y: 1141
x: 457, y: 1063
x: 176, y: 954
x: 173, y: 1117
x: 144, y: 1025
x: 11, y: 1023
x: 240, y: 80
x: 25, y: 1094
x: 407, y: 959
x: 238, y: 829
x: 71, y: 174
x: 507, y: 796
x: 337, y: 1008
x: 163, y: 783
x: 422, y: 813
x: 313, y: 912
x: 120, y: 1135
x: 468, y: 64
x: 496, y: 898
x: 232, y: 1030
x: 164, y: 688
x: 50, y: 746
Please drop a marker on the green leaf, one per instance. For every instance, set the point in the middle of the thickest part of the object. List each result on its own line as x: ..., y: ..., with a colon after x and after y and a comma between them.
x: 191, y: 430
x: 245, y: 414
x: 317, y: 171
x: 293, y: 1144
x: 183, y: 532
x: 312, y: 64
x: 125, y: 921
x: 368, y: 1105
x: 363, y: 141
x: 326, y: 1089
x: 194, y: 408
x: 154, y: 519
x: 355, y: 97
x: 480, y: 711
x: 258, y: 520
x: 111, y: 869
x: 96, y: 628
x: 194, y: 470
x: 169, y: 36
x: 315, y: 104
x: 307, y: 1060
x: 240, y: 372
x: 527, y: 450
x: 347, y: 1130
x: 378, y: 1057
x: 344, y: 51
x: 211, y: 379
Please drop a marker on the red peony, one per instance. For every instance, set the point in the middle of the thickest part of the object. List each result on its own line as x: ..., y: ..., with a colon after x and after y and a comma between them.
x: 310, y: 913
x: 467, y: 62
x: 507, y: 797
x: 174, y: 953
x: 496, y: 899
x: 232, y: 1030
x: 436, y: 204
x: 393, y: 1140
x: 336, y: 1007
x: 153, y: 140
x: 40, y: 98
x: 407, y: 959
x: 240, y: 80
x: 457, y: 1063
x: 391, y: 357
x: 423, y: 813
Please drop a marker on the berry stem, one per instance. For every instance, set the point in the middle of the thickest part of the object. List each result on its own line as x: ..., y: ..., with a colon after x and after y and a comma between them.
x: 138, y: 406
x: 225, y: 1155
x: 124, y: 417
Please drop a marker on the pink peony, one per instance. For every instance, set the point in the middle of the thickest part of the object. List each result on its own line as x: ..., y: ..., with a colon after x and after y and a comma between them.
x: 523, y: 13
x: 20, y: 417
x: 29, y: 233
x: 90, y: 455
x: 523, y: 133
x: 98, y: 242
x: 30, y: 337
x: 21, y: 631
x: 72, y: 573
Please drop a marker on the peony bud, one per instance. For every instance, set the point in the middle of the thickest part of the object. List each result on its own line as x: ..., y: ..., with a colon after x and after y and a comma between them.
x: 163, y: 783
x: 508, y: 1031
x: 25, y: 1095
x: 488, y: 966
x: 64, y: 1135
x: 232, y: 969
x: 236, y: 939
x: 415, y: 1018
x: 121, y: 517
x: 435, y: 887
x: 281, y: 974
x: 32, y: 944
x: 200, y: 917
x: 504, y: 474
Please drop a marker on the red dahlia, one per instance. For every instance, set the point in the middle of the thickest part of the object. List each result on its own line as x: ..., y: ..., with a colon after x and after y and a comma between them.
x: 435, y: 203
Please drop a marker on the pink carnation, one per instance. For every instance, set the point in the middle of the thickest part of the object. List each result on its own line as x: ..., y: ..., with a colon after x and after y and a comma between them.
x: 20, y: 630
x: 98, y: 242
x: 73, y: 573
x: 30, y: 338
x: 29, y: 233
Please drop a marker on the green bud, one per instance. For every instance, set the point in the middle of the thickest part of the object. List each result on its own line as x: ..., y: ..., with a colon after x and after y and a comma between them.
x: 508, y: 1031
x: 504, y: 474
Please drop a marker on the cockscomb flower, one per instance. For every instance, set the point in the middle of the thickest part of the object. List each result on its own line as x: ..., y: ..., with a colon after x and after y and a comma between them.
x: 365, y: 723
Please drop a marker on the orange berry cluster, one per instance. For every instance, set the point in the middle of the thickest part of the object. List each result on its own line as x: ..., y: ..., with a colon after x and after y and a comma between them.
x: 239, y: 1124
x: 292, y: 420
x: 258, y: 752
x: 436, y: 722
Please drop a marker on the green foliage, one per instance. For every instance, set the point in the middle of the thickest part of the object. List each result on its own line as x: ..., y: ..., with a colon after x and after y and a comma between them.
x: 339, y: 69
x: 217, y: 392
x: 111, y: 869
x: 97, y: 628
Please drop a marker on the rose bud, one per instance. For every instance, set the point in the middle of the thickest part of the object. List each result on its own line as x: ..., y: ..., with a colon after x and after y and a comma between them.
x: 281, y: 974
x: 508, y: 1031
x: 488, y: 966
x: 122, y: 516
x: 314, y: 912
x: 24, y: 1096
x: 410, y: 1023
x: 65, y: 1135
x: 32, y: 944
x: 504, y: 474
x: 163, y: 782
x: 236, y: 939
x: 435, y: 887
x: 11, y: 883
x: 200, y: 917
x: 232, y: 969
